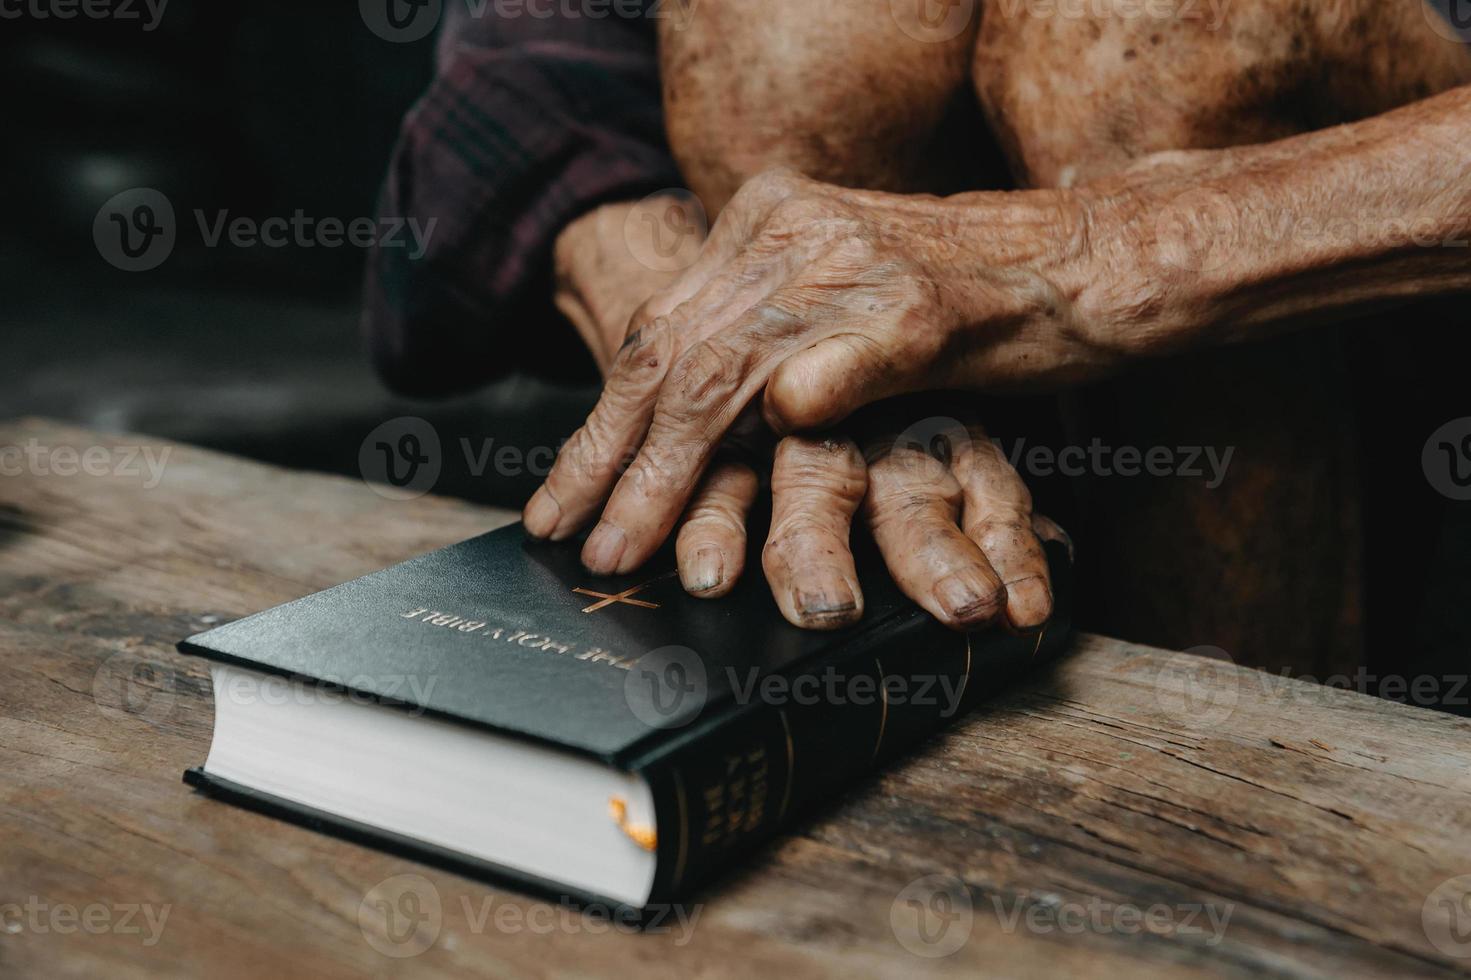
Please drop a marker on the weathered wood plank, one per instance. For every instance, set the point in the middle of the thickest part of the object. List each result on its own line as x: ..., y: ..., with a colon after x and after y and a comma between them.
x: 1316, y: 823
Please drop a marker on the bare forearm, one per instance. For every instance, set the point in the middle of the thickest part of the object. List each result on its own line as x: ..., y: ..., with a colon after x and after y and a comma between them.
x: 1237, y: 243
x: 1183, y: 250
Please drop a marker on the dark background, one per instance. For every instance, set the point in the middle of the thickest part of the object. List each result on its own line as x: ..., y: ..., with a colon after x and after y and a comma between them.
x: 259, y: 109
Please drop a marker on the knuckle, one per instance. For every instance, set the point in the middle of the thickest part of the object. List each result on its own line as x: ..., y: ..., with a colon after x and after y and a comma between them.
x: 996, y: 491
x: 905, y: 473
x: 786, y: 312
x: 835, y: 240
x: 643, y: 357
x: 1003, y: 535
x: 904, y: 509
x: 723, y: 498
x: 595, y: 449
x: 988, y: 476
x: 702, y: 380
x: 828, y: 465
x: 851, y: 249
x: 573, y: 462
x: 769, y: 186
x: 709, y: 518
x: 802, y: 537
x: 798, y: 211
x: 652, y: 473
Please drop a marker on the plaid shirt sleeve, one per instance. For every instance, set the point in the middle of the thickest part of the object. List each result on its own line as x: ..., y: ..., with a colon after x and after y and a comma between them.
x: 530, y: 122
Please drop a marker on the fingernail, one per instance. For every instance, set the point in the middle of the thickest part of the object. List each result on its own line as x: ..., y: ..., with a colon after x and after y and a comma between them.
x: 1029, y: 603
x: 541, y: 514
x: 824, y: 599
x: 967, y: 599
x: 603, y: 549
x: 705, y: 572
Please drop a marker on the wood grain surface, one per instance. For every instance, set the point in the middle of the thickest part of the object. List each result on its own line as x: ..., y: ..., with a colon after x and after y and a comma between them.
x: 1131, y: 813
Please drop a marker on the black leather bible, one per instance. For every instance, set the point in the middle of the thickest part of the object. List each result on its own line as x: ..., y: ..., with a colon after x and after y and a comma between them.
x: 493, y: 708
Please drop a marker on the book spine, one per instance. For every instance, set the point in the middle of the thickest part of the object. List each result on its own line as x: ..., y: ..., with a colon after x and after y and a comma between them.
x: 796, y: 741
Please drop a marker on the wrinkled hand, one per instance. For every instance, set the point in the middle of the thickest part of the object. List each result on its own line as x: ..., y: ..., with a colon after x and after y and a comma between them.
x: 828, y: 299
x: 951, y: 518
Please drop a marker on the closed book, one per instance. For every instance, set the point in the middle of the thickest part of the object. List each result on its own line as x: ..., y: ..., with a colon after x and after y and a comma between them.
x: 493, y: 708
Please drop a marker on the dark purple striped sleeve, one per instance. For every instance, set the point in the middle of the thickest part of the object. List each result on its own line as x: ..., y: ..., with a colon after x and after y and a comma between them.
x: 530, y: 122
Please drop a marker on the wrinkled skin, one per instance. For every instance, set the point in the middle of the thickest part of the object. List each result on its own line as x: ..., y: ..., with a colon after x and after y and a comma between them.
x: 827, y: 298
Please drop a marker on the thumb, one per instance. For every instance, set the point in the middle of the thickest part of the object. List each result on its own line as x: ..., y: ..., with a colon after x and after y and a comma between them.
x: 824, y: 384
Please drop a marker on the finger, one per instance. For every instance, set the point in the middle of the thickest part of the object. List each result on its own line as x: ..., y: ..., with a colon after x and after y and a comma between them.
x: 711, y: 548
x: 704, y: 394
x: 912, y: 507
x: 590, y: 462
x: 998, y: 518
x: 589, y: 465
x: 816, y: 487
x: 819, y: 387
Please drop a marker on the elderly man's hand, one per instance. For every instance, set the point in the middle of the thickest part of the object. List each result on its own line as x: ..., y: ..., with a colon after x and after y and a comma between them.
x: 828, y: 299
x: 951, y: 518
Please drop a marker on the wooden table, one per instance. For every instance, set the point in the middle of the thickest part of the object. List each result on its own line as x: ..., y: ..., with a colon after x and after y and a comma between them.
x: 1132, y: 812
